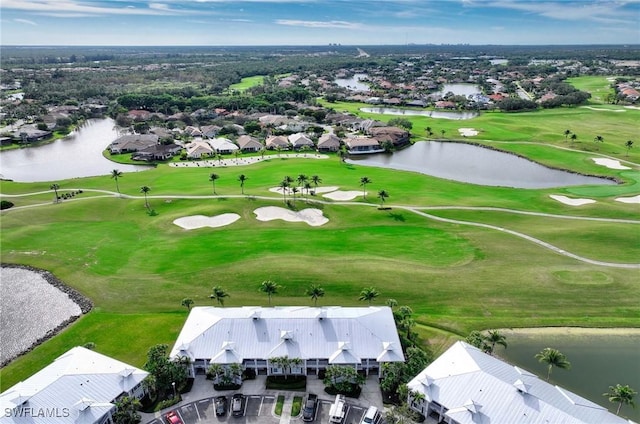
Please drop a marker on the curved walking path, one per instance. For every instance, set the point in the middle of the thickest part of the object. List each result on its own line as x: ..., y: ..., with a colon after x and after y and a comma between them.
x: 418, y: 210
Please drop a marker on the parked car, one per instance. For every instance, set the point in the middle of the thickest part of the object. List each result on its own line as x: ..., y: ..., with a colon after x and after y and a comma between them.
x: 310, y: 406
x: 173, y: 418
x: 221, y: 405
x: 370, y: 416
x: 338, y: 410
x: 237, y: 405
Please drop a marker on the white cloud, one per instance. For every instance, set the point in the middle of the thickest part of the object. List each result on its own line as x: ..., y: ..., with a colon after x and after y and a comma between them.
x: 74, y: 8
x: 319, y: 24
x: 568, y: 11
x: 25, y: 21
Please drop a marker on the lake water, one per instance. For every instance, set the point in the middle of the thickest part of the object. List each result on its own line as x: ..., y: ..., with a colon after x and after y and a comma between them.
x: 460, y: 89
x: 476, y: 165
x: 353, y: 83
x: 430, y: 113
x: 77, y: 155
x: 597, y: 362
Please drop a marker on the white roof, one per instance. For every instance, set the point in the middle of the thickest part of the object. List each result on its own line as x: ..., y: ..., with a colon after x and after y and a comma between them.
x: 477, y: 388
x: 223, y: 144
x: 78, y: 387
x: 347, y: 335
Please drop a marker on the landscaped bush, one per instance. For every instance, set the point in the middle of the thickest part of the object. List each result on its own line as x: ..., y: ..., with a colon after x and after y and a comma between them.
x: 230, y: 386
x: 167, y: 403
x: 5, y: 204
x: 292, y: 382
x: 354, y: 392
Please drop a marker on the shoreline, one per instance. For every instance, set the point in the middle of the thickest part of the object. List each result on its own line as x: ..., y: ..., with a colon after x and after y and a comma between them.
x: 82, y: 302
x: 570, y: 331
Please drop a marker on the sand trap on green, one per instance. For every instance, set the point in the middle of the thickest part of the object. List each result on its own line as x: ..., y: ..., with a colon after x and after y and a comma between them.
x: 343, y: 195
x: 610, y: 163
x: 198, y: 221
x: 634, y: 199
x: 467, y: 132
x: 571, y: 202
x: 311, y: 216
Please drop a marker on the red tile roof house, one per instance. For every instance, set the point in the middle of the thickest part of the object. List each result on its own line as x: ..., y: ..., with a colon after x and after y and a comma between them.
x: 139, y: 115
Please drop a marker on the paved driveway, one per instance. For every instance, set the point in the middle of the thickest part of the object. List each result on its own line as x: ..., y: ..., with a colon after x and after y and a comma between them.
x: 258, y: 409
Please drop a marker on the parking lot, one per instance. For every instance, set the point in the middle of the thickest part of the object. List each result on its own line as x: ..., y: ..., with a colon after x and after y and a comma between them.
x: 257, y: 409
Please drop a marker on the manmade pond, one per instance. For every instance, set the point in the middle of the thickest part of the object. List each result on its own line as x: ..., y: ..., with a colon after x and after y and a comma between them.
x: 599, y: 358
x: 476, y: 165
x: 77, y: 155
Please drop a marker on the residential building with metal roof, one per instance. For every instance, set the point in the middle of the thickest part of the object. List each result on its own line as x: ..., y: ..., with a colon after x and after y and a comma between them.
x: 362, y: 337
x: 80, y: 387
x: 467, y: 386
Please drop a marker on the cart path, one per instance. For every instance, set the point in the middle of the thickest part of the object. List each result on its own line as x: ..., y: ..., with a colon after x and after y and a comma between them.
x: 418, y: 210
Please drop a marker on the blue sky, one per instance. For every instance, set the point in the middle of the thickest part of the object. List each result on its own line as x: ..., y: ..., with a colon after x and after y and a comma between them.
x: 318, y: 22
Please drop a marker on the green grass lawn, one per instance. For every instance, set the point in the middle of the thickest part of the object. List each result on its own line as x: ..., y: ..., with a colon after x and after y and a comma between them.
x: 247, y: 83
x: 597, y: 85
x: 137, y: 268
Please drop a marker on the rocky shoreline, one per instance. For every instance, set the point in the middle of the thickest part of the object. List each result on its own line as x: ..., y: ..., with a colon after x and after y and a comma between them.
x: 82, y: 302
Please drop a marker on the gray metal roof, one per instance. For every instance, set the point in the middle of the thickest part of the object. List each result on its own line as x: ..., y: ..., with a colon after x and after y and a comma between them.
x: 351, y: 334
x: 479, y: 388
x: 78, y: 387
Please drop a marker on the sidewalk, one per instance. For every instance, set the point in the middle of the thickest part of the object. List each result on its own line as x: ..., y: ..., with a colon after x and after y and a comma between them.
x: 203, y: 389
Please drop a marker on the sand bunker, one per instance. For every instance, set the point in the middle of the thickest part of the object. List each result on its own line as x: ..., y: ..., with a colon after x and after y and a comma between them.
x: 634, y: 199
x: 467, y: 132
x: 343, y: 195
x: 313, y: 217
x: 199, y: 221
x: 610, y: 163
x: 571, y: 202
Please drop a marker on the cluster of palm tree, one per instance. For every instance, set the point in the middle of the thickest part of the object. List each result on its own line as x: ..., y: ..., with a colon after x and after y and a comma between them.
x: 285, y: 363
x: 487, y: 342
x: 225, y: 375
x: 303, y: 185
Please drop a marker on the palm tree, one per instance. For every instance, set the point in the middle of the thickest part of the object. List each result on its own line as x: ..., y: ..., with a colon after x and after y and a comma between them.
x: 392, y: 303
x: 382, y: 195
x: 213, y: 177
x: 622, y: 395
x: 567, y: 133
x: 145, y: 190
x: 553, y: 358
x: 317, y: 180
x: 368, y: 294
x: 242, y: 178
x: 215, y: 370
x: 315, y: 292
x: 294, y: 190
x: 187, y: 303
x: 493, y: 338
x: 628, y: 145
x: 302, y: 179
x: 55, y: 188
x: 270, y: 288
x: 363, y: 182
x: 598, y: 139
x: 284, y: 185
x: 307, y: 189
x: 115, y: 174
x: 219, y: 294
x: 574, y: 137
x: 429, y: 131
x: 417, y: 398
x: 442, y: 132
